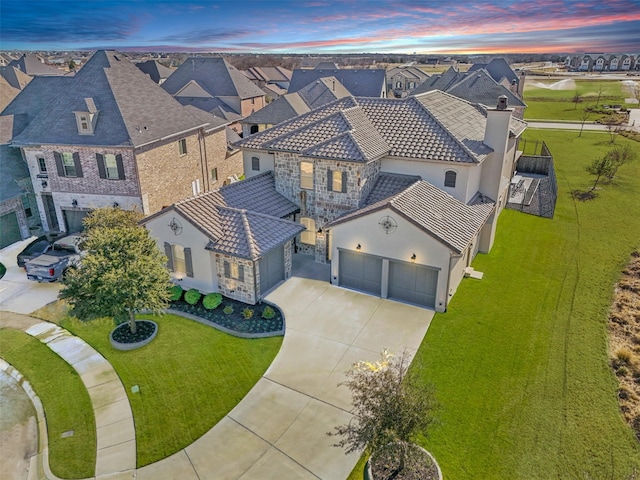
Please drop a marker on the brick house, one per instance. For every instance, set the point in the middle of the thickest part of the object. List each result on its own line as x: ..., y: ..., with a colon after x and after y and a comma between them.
x: 111, y: 136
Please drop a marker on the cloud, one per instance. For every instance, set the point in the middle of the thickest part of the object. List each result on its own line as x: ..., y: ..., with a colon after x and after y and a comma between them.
x: 205, y: 36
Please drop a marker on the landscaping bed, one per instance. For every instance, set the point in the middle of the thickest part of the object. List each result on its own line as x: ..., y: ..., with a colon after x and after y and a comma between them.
x: 232, y: 315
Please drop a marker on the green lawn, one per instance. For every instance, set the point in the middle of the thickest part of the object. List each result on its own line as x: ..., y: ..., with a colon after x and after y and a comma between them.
x: 519, y: 361
x: 544, y: 103
x: 66, y: 403
x: 190, y: 377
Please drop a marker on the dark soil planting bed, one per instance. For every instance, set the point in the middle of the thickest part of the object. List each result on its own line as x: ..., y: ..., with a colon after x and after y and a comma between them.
x: 236, y: 321
x: 122, y: 338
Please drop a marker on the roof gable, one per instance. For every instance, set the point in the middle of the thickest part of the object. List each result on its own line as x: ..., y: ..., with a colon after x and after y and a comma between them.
x: 359, y: 82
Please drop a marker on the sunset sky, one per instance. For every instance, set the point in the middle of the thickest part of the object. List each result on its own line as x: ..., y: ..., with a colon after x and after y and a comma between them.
x: 323, y: 26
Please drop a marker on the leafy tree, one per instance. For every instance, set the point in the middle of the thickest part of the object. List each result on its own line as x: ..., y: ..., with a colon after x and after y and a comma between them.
x: 390, y: 405
x: 617, y: 157
x: 600, y: 167
x: 72, y: 65
x: 123, y: 271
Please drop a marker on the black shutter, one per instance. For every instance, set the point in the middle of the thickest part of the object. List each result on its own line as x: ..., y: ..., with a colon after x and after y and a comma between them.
x: 59, y: 165
x: 76, y: 161
x: 241, y: 273
x: 329, y: 180
x: 227, y: 270
x: 169, y: 253
x: 344, y: 182
x: 101, y: 169
x: 188, y: 262
x: 120, y: 167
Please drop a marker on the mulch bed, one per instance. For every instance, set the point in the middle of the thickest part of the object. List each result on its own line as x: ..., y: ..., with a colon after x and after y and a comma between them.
x: 418, y: 466
x: 235, y: 321
x: 144, y: 330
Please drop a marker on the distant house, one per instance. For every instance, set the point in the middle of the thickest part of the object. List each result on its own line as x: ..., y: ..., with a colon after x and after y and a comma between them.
x: 404, y: 79
x: 600, y: 62
x: 156, y: 71
x: 359, y: 82
x: 502, y: 73
x: 316, y: 94
x: 12, y: 81
x: 398, y: 195
x: 213, y: 85
x: 262, y: 76
x: 475, y: 86
x: 109, y: 136
x: 34, y: 66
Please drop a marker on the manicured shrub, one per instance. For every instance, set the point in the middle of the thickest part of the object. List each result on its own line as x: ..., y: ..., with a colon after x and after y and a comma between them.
x: 211, y: 301
x: 268, y: 312
x: 247, y: 313
x: 228, y: 310
x: 192, y: 296
x: 176, y: 293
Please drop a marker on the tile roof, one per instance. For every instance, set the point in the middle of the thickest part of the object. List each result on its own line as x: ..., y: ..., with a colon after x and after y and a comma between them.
x: 432, y: 126
x: 435, y: 212
x: 244, y: 219
x: 359, y: 82
x: 388, y: 185
x: 498, y: 68
x: 268, y: 74
x: 215, y: 76
x: 132, y: 109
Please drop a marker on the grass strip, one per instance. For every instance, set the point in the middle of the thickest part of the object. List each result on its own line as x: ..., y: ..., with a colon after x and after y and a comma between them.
x: 190, y: 376
x: 65, y: 401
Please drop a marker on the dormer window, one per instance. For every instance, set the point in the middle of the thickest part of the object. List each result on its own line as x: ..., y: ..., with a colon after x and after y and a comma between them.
x: 86, y: 119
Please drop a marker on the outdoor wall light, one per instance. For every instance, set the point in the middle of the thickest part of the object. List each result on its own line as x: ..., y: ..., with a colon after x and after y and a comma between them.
x: 43, y: 183
x: 413, y: 258
x: 116, y: 204
x: 359, y: 247
x: 74, y: 203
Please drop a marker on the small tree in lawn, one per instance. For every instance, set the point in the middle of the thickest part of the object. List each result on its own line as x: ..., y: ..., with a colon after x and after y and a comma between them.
x: 599, y: 167
x: 617, y: 157
x: 123, y: 271
x: 390, y: 406
x: 584, y: 116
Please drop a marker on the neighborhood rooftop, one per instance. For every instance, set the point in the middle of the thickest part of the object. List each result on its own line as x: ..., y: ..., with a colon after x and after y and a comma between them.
x: 432, y: 126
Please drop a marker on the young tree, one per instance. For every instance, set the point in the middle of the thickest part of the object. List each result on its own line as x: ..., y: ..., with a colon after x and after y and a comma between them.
x: 617, y: 157
x: 123, y: 271
x: 577, y: 98
x: 600, y: 167
x: 584, y: 116
x: 391, y: 407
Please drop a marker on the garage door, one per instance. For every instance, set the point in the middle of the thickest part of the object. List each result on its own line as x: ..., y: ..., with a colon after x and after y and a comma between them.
x: 413, y: 283
x: 73, y: 219
x: 9, y: 229
x: 271, y: 269
x: 360, y: 272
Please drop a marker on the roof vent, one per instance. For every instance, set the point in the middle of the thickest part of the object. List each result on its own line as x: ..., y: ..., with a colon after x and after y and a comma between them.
x: 502, y: 102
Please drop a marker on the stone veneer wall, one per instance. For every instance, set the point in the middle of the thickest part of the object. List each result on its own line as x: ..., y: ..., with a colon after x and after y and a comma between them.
x: 244, y: 291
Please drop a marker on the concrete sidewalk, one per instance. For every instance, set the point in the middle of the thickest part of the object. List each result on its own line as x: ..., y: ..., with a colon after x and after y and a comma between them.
x: 279, y: 429
x: 115, y: 431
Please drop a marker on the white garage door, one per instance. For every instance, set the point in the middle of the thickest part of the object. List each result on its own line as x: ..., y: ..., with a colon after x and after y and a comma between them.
x: 361, y: 272
x: 413, y: 283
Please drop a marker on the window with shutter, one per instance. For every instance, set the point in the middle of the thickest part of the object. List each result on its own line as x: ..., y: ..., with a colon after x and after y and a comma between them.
x: 77, y: 165
x: 179, y: 260
x: 227, y: 270
x: 188, y: 262
x: 68, y: 165
x: 169, y: 253
x: 182, y: 146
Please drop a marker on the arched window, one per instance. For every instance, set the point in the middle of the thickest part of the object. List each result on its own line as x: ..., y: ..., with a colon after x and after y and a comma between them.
x: 450, y: 178
x: 254, y: 129
x: 309, y: 235
x: 255, y: 164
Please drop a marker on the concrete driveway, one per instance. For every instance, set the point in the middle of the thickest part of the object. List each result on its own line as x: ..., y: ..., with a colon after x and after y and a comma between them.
x: 279, y: 429
x: 17, y: 293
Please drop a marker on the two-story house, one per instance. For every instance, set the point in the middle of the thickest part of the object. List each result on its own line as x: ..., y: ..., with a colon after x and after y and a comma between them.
x: 213, y: 85
x: 398, y: 195
x: 403, y: 79
x: 112, y: 137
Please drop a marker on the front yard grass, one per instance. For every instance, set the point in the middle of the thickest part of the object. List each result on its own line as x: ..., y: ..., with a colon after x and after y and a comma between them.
x: 520, y: 359
x: 65, y: 400
x: 190, y: 376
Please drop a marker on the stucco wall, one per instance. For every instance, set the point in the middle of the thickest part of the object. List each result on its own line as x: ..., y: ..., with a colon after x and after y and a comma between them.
x: 401, y: 245
x: 467, y: 175
x: 205, y: 277
x: 267, y: 162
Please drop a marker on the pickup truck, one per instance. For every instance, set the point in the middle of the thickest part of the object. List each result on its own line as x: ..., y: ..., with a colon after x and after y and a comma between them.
x: 51, y: 265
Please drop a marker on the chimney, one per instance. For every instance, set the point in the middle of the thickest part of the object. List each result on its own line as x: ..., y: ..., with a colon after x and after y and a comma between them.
x: 496, y: 131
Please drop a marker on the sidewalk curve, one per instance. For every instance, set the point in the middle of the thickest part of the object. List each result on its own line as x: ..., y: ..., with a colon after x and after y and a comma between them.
x: 115, y: 431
